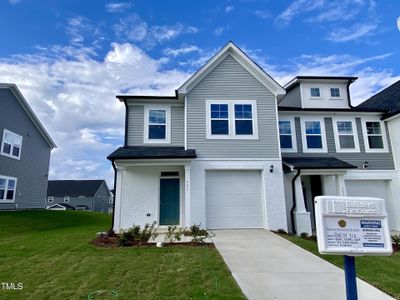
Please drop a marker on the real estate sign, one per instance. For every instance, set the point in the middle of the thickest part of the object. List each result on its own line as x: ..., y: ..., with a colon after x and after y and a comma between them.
x: 352, y: 226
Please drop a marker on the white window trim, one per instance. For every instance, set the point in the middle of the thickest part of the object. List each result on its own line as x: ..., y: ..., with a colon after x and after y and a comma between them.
x: 323, y: 135
x: 167, y: 139
x: 231, y: 120
x: 6, y: 189
x: 340, y: 93
x: 50, y: 199
x: 2, y: 144
x: 313, y: 97
x: 293, y: 131
x: 355, y: 135
x: 365, y: 136
x: 66, y: 199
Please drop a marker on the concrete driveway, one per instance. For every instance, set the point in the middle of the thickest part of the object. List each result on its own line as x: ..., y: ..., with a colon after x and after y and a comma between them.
x: 267, y: 266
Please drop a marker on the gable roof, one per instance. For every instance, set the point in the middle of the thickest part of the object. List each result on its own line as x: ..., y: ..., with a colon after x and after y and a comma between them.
x: 61, y: 205
x: 73, y: 188
x: 25, y: 106
x: 231, y: 49
x: 388, y: 99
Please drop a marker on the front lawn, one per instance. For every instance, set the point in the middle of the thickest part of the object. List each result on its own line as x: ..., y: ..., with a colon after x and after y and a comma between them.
x: 49, y: 252
x: 382, y: 272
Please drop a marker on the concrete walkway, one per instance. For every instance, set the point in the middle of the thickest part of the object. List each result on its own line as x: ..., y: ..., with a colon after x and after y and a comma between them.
x: 267, y: 266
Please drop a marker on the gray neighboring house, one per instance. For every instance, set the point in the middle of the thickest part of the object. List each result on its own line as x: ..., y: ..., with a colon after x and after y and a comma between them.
x: 25, y: 148
x: 91, y: 195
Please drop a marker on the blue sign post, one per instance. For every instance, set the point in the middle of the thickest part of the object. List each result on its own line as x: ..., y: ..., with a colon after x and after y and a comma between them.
x: 350, y: 276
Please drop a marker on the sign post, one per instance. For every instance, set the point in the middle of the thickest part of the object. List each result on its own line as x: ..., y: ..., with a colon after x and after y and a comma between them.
x: 352, y: 226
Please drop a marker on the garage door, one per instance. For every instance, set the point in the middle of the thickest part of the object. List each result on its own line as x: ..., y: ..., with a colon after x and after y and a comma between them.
x: 373, y: 188
x: 233, y: 199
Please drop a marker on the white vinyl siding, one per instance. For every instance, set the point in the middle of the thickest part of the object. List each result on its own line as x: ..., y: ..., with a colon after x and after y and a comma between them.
x: 11, y: 144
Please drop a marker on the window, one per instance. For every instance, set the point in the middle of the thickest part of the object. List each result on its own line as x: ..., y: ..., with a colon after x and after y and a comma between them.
x: 287, y: 135
x: 66, y: 199
x: 157, y: 128
x: 346, y: 137
x: 313, y: 135
x: 315, y: 92
x: 219, y: 119
x: 374, y: 136
x: 231, y: 119
x: 335, y: 92
x: 243, y: 119
x: 50, y: 199
x: 8, y: 186
x: 11, y: 144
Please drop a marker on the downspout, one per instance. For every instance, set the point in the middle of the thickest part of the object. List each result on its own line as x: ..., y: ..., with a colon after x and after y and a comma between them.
x: 115, y: 193
x: 126, y: 124
x: 294, y: 200
x: 348, y: 93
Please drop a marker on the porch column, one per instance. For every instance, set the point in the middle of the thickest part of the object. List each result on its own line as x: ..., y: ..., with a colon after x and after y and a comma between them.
x: 340, y: 186
x: 302, y: 218
x: 118, y: 198
x: 187, y: 195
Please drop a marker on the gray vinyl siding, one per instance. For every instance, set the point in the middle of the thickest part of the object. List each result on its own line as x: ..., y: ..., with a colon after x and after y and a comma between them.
x: 32, y: 169
x: 376, y: 161
x: 136, y: 125
x: 292, y: 98
x: 230, y: 81
x: 99, y: 202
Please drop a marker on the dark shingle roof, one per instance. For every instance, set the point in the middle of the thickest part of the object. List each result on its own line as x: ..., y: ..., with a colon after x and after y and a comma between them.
x: 145, y: 152
x: 316, y: 163
x: 73, y: 188
x: 387, y: 99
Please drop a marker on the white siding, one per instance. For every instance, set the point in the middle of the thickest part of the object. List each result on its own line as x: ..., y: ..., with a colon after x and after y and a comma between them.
x: 325, y: 101
x: 394, y: 133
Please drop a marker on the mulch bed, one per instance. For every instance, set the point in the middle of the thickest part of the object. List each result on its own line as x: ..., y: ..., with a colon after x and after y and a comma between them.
x: 113, y: 241
x: 396, y: 248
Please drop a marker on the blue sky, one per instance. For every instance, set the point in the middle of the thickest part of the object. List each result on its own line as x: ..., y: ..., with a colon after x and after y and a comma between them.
x: 70, y: 58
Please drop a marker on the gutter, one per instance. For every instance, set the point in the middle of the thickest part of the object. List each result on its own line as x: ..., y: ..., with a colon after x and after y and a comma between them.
x: 115, y: 193
x: 294, y: 200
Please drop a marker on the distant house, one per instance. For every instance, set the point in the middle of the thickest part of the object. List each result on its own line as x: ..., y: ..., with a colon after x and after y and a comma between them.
x: 79, y: 194
x: 25, y: 148
x: 61, y: 206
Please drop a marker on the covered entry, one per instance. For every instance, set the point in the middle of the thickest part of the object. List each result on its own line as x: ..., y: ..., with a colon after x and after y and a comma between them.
x: 233, y: 199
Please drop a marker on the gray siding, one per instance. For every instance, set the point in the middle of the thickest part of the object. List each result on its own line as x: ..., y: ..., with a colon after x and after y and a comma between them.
x: 136, y: 125
x: 292, y: 98
x: 230, y: 81
x: 33, y: 167
x: 376, y: 161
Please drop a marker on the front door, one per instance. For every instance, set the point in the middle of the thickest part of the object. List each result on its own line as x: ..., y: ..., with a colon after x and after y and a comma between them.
x: 169, y: 201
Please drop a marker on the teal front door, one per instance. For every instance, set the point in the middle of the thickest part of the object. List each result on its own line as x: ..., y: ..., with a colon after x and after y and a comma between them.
x: 169, y: 201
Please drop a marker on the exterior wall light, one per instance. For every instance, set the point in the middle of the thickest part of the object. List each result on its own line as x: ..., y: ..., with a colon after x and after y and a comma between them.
x: 271, y: 168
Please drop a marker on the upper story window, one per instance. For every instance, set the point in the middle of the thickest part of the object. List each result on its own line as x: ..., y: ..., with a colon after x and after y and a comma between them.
x: 157, y: 124
x: 287, y: 135
x: 11, y: 144
x: 231, y: 119
x: 346, y: 137
x: 374, y: 136
x: 8, y: 186
x: 313, y: 135
x: 66, y: 199
x: 335, y: 92
x: 50, y: 199
x: 315, y: 92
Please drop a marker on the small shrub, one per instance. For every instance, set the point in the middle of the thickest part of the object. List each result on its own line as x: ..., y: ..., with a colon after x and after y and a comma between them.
x: 281, y: 231
x: 173, y: 234
x: 396, y: 239
x: 304, y: 235
x: 135, y: 235
x: 198, y: 234
x: 149, y: 231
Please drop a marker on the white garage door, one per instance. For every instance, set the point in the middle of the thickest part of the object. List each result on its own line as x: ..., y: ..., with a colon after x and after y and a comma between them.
x: 233, y: 199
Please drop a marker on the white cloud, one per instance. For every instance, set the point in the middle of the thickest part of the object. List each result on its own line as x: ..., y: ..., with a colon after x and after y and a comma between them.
x: 114, y: 7
x: 297, y: 7
x: 354, y: 33
x: 263, y: 14
x: 75, y: 100
x: 133, y: 28
x: 181, y: 51
x: 229, y: 8
x: 218, y: 31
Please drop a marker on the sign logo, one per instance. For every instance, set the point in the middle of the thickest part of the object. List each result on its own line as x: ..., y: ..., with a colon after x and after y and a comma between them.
x: 342, y: 223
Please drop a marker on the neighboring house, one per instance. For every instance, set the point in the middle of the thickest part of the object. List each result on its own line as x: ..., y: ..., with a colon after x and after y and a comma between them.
x: 330, y: 147
x: 25, y: 148
x: 60, y: 206
x: 80, y: 194
x: 211, y: 154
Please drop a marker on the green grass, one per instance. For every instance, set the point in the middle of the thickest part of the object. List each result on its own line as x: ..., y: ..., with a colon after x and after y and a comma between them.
x: 382, y: 272
x: 48, y: 251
